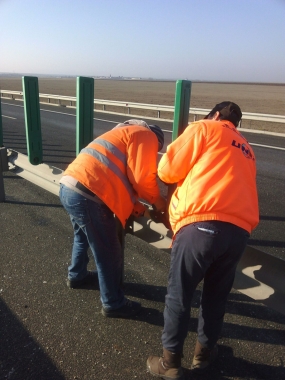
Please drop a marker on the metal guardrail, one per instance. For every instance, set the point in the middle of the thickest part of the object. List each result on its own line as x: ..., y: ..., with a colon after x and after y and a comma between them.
x: 45, y: 176
x: 70, y: 101
x: 259, y: 275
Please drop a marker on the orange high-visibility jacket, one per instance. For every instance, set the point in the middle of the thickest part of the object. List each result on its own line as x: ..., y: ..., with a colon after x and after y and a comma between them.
x: 120, y: 166
x: 215, y: 171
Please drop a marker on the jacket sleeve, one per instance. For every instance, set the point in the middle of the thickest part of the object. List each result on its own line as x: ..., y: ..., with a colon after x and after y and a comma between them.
x: 182, y: 154
x: 142, y: 165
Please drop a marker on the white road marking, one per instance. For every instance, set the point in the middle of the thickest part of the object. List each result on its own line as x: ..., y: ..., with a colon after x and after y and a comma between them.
x: 268, y: 146
x: 9, y: 117
x: 116, y: 122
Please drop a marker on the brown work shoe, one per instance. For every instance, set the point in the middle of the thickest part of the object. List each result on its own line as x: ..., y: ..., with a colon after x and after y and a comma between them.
x: 167, y: 367
x: 203, y: 357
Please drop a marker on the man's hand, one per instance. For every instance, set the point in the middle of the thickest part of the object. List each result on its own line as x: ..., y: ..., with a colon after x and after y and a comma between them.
x: 160, y: 204
x: 139, y: 209
x: 160, y: 217
x: 147, y: 213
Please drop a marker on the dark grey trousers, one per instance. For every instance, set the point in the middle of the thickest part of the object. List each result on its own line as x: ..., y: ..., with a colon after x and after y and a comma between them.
x: 207, y: 250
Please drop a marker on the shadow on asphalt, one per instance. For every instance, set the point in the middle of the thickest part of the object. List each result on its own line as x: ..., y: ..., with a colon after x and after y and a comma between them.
x: 266, y: 243
x: 21, y: 357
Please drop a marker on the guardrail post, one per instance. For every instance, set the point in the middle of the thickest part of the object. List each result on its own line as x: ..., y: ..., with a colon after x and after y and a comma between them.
x: 1, y: 126
x: 32, y: 119
x: 3, y: 168
x: 181, y: 107
x: 2, y: 164
x: 180, y: 120
x: 84, y: 112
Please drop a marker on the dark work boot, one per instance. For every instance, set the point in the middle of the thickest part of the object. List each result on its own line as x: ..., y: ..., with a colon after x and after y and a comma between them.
x: 90, y: 279
x: 203, y: 357
x: 167, y: 367
x: 129, y: 309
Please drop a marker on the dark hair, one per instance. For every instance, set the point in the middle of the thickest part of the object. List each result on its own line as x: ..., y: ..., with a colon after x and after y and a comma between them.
x: 228, y: 111
x: 159, y: 134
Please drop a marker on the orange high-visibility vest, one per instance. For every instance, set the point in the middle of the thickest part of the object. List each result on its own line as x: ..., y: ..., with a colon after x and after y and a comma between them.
x: 215, y: 171
x: 120, y: 166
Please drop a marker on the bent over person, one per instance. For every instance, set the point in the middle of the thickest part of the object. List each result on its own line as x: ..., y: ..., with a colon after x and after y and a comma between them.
x: 212, y: 213
x: 106, y: 179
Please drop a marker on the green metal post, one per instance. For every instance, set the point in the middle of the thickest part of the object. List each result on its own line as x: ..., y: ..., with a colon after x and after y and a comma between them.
x: 3, y: 168
x: 32, y: 119
x: 1, y: 126
x: 181, y: 109
x: 180, y: 120
x: 84, y: 112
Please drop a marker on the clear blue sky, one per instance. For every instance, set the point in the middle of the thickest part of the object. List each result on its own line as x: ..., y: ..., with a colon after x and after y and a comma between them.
x: 226, y: 40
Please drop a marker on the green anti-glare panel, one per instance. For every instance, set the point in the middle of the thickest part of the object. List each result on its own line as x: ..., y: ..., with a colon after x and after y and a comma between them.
x: 84, y: 112
x: 32, y: 119
x: 181, y: 109
x: 1, y: 126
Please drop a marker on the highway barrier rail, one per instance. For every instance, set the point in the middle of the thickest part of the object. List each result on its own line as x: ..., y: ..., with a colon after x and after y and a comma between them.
x: 259, y: 275
x: 157, y: 112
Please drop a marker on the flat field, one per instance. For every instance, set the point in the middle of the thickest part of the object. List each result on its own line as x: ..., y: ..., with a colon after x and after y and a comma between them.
x: 255, y: 98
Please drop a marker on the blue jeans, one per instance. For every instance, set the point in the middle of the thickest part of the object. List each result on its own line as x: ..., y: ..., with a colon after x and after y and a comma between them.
x: 94, y: 226
x: 198, y: 254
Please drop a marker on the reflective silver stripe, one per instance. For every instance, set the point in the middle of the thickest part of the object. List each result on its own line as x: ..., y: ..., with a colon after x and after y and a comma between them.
x: 212, y: 232
x: 111, y: 148
x: 113, y: 167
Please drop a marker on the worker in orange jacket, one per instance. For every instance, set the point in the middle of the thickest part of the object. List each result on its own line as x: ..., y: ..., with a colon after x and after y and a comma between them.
x: 107, y: 178
x: 212, y: 213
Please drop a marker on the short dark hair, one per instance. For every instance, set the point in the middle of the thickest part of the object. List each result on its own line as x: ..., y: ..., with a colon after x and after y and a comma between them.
x: 159, y: 134
x: 228, y: 111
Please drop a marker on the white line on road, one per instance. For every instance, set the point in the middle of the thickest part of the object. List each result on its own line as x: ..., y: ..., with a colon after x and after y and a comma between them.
x: 268, y: 146
x: 115, y: 122
x: 9, y: 117
x: 62, y: 113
